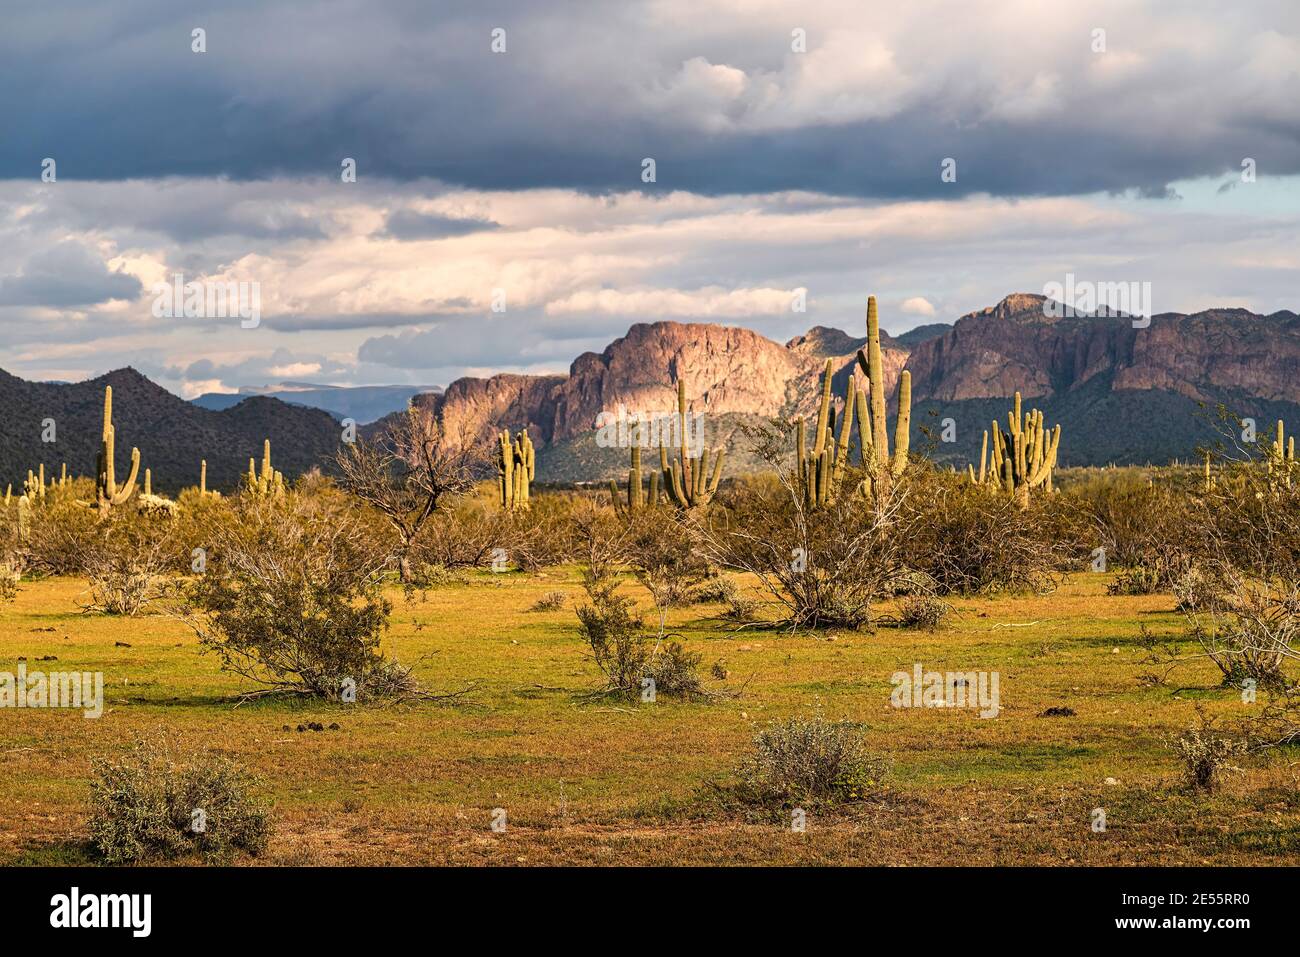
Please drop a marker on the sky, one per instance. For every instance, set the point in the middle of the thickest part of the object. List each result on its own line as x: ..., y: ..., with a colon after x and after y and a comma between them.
x: 503, y: 216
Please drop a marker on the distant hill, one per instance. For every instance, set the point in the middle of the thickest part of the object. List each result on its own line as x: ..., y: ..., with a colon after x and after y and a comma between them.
x: 364, y: 404
x: 173, y: 435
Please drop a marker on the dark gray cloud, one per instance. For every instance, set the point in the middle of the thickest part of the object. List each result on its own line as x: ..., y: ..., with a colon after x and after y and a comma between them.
x: 66, y: 275
x: 585, y: 90
x: 408, y: 224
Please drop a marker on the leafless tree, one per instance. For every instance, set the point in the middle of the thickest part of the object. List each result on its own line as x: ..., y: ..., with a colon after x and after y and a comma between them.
x: 407, y: 472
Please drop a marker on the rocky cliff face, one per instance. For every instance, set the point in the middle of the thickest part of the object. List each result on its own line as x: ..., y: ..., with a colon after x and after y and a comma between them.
x: 726, y: 370
x: 1013, y: 346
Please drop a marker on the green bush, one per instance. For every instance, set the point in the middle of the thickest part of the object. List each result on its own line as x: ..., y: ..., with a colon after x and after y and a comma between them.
x: 152, y: 805
x: 809, y: 763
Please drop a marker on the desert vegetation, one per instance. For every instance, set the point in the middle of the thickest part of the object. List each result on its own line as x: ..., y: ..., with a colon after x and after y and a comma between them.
x: 677, y: 668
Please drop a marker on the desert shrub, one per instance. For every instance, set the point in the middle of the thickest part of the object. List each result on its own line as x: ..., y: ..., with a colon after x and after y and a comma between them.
x: 1139, y: 580
x: 674, y: 670
x: 611, y: 627
x: 1249, y: 629
x: 291, y: 599
x: 542, y: 536
x: 716, y: 590
x: 615, y: 635
x: 551, y: 601
x: 808, y: 763
x: 408, y: 470
x: 61, y: 533
x: 1205, y: 752
x: 196, y: 519
x: 664, y: 558
x: 143, y: 807
x: 125, y: 559
x: 924, y: 611
x: 1139, y: 522
x: 969, y: 540
x: 910, y: 583
x: 1197, y: 589
x: 822, y: 567
x: 465, y: 535
x: 432, y: 576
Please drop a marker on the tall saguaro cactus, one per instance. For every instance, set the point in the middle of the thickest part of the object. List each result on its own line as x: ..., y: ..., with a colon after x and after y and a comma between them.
x: 882, y: 468
x: 822, y: 470
x: 108, y: 493
x: 516, y: 469
x: 1023, y: 458
x: 687, y: 481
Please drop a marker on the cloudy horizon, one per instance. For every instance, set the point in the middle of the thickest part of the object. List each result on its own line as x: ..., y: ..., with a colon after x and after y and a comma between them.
x: 501, y: 218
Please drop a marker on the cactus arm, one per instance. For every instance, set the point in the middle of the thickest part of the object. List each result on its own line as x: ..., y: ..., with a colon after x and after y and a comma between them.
x: 128, y: 487
x: 681, y: 414
x: 801, y: 451
x: 864, y: 427
x: 718, y: 455
x: 823, y: 410
x: 846, y: 431
x: 903, y: 427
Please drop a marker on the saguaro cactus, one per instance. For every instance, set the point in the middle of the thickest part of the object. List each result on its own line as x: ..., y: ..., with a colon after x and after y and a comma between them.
x: 516, y: 469
x: 266, y: 482
x: 108, y: 492
x: 687, y: 481
x: 821, y: 470
x: 1281, y: 457
x: 636, y: 498
x: 24, y: 518
x: 882, y: 468
x: 1023, y: 459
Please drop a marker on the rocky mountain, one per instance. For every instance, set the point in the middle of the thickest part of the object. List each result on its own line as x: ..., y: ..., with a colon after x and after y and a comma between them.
x: 1124, y: 394
x: 732, y: 375
x: 173, y: 435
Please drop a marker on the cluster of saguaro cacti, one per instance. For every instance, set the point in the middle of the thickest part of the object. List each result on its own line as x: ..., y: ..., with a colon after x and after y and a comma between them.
x: 822, y: 469
x: 107, y: 492
x: 34, y: 487
x: 687, y: 481
x: 1022, y: 459
x: 516, y: 469
x: 636, y: 498
x: 266, y: 482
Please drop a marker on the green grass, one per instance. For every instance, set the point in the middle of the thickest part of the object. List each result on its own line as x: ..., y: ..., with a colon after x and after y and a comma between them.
x: 589, y: 780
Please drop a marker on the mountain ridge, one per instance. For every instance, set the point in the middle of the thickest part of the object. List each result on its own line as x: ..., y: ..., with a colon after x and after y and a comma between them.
x: 1126, y: 395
